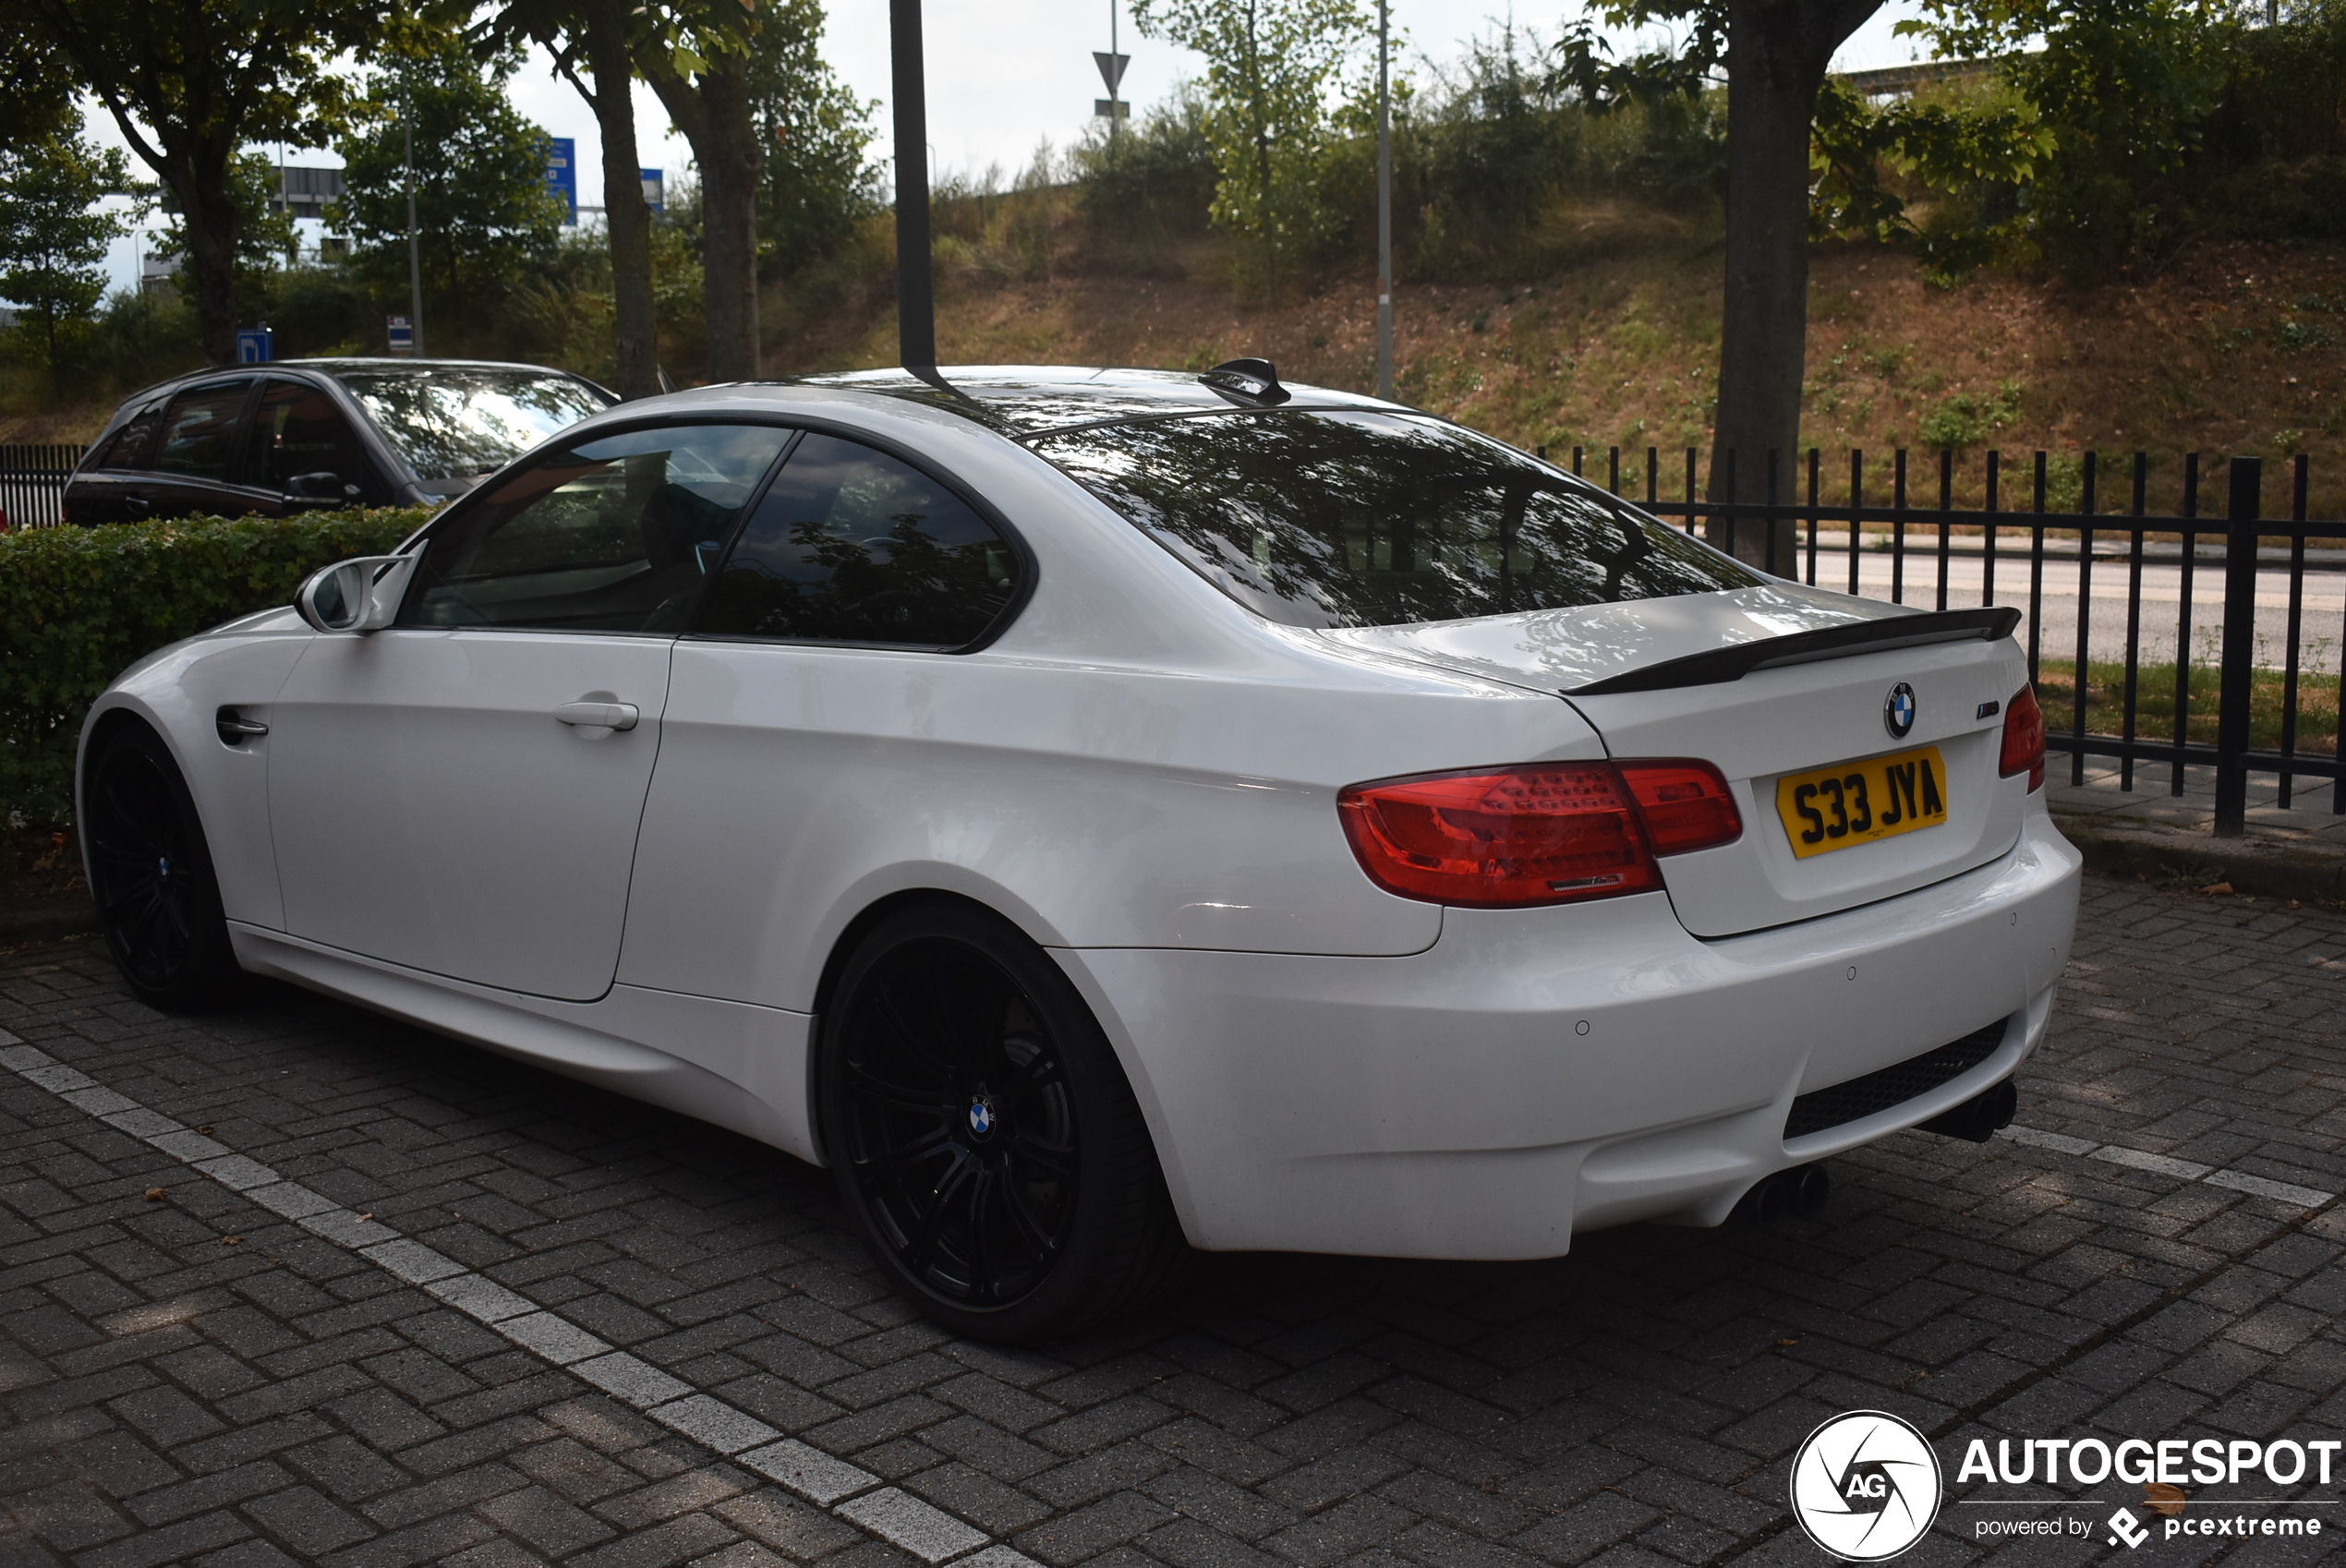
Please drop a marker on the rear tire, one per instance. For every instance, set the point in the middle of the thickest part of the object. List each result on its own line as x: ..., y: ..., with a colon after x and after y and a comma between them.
x: 984, y: 1135
x: 151, y: 873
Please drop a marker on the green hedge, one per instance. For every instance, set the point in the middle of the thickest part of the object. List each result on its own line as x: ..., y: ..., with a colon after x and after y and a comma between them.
x: 78, y: 605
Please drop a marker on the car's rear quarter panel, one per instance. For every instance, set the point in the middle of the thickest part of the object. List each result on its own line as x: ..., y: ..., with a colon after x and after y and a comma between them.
x: 1135, y: 762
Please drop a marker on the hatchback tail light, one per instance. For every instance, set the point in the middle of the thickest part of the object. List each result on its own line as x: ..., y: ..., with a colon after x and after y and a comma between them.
x: 1542, y: 833
x: 2023, y: 749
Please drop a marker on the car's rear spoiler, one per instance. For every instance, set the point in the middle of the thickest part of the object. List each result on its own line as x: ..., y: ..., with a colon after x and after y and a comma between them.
x: 1720, y: 665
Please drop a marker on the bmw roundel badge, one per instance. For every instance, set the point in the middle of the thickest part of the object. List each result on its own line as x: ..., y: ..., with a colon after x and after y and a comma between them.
x: 1898, y: 711
x: 981, y: 1115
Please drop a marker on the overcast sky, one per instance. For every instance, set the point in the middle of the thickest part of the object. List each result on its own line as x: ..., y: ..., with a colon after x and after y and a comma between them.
x: 1005, y: 74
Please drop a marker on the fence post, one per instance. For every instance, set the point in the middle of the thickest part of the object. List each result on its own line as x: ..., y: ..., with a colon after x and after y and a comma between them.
x: 2237, y: 676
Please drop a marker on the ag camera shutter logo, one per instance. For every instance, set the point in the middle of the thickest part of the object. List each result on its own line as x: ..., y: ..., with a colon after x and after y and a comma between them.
x: 1866, y: 1486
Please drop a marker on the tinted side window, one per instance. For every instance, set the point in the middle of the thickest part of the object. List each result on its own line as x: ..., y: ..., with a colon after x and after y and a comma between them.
x: 854, y: 546
x: 611, y: 535
x: 297, y: 429
x: 128, y: 448
x: 199, y: 430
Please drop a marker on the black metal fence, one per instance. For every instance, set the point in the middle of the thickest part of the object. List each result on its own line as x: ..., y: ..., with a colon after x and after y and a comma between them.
x: 1924, y: 543
x: 32, y: 484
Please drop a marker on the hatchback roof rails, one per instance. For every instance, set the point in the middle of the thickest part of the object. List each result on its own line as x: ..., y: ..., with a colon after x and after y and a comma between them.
x: 1255, y: 380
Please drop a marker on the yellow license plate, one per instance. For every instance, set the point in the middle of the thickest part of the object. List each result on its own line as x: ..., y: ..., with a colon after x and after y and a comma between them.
x: 1857, y: 803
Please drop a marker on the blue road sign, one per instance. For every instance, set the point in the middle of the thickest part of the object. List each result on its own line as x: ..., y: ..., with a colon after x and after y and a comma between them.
x: 561, y: 174
x: 254, y: 345
x: 655, y: 189
x: 402, y: 333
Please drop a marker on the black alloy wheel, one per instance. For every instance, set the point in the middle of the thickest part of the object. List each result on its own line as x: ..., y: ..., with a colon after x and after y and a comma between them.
x: 984, y: 1135
x: 151, y: 873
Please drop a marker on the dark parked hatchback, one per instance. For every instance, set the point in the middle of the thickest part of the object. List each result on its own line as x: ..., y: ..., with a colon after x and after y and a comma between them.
x: 307, y: 433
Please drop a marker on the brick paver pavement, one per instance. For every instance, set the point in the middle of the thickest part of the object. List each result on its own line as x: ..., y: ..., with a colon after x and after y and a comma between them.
x: 190, y: 1377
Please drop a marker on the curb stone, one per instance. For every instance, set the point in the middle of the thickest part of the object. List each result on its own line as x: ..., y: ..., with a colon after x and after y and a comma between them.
x: 2259, y: 868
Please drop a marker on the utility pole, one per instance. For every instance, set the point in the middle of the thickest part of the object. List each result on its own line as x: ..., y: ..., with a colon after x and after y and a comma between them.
x: 1384, y: 201
x: 415, y: 261
x: 915, y: 289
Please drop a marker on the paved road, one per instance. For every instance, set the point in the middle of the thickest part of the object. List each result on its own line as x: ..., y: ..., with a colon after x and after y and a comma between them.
x: 172, y: 1395
x: 2160, y: 623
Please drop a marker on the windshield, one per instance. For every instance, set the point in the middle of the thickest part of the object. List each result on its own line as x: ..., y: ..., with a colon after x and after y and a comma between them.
x: 1359, y: 519
x: 454, y: 422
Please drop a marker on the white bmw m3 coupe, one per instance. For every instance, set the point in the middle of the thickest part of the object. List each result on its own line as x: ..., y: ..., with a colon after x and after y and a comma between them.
x: 1104, y: 814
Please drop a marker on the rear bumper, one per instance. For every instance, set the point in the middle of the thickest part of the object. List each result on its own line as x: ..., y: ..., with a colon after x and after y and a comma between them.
x: 1545, y: 1071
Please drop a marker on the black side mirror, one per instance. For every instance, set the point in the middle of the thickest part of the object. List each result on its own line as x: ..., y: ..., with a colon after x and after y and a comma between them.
x: 323, y: 485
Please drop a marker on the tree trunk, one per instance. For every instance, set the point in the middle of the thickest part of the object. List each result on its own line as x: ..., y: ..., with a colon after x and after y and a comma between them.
x: 1777, y: 50
x: 208, y: 218
x: 627, y: 219
x: 716, y: 118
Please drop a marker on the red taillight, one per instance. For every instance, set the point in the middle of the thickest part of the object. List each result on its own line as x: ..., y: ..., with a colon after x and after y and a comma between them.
x: 1686, y: 806
x: 2024, y: 750
x: 1546, y: 833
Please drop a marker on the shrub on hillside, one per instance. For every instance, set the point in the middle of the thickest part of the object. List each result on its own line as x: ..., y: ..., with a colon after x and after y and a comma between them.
x: 78, y: 605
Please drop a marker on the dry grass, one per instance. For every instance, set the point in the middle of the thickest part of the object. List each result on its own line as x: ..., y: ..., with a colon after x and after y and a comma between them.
x: 2232, y: 348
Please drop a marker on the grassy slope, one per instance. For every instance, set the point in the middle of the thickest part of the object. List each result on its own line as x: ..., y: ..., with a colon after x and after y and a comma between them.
x: 2232, y: 348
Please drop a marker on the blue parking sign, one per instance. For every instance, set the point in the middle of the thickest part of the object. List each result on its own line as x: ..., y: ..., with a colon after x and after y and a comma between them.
x: 561, y: 174
x: 253, y: 346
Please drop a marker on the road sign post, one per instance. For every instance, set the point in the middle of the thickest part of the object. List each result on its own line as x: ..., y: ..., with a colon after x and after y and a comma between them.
x: 1112, y: 109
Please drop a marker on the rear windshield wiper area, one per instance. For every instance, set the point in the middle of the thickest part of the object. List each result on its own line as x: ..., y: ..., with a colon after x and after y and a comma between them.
x: 1718, y: 665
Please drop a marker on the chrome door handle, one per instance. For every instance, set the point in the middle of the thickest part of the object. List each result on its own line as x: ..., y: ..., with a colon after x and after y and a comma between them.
x: 605, y: 716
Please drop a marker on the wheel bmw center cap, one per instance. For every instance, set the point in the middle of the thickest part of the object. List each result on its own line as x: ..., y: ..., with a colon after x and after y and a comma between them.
x: 981, y: 1115
x: 1866, y: 1486
x: 1898, y: 711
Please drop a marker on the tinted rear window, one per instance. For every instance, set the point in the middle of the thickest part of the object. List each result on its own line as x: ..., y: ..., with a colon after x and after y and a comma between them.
x: 128, y: 448
x: 1355, y: 519
x: 451, y: 422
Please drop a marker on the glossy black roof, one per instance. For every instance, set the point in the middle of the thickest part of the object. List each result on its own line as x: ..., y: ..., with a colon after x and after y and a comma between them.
x: 1027, y: 400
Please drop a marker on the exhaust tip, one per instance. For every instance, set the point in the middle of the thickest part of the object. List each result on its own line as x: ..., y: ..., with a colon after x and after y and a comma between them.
x: 1810, y: 1187
x: 1800, y: 1191
x: 1978, y: 1118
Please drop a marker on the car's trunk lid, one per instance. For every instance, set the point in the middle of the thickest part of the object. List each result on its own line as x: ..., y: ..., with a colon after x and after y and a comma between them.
x: 1716, y: 695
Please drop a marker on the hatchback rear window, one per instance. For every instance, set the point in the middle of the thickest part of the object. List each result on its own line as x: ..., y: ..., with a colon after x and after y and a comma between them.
x: 1367, y: 519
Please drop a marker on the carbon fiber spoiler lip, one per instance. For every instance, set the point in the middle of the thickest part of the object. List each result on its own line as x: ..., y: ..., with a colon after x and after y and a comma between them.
x: 1721, y: 665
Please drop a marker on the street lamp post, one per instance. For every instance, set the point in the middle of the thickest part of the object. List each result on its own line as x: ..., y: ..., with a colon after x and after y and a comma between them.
x: 1384, y: 201
x: 415, y: 261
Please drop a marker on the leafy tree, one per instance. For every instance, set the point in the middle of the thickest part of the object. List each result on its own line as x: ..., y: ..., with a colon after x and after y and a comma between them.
x: 817, y: 176
x: 1774, y: 54
x: 1154, y: 178
x: 483, y: 208
x: 596, y: 42
x: 1273, y: 67
x: 54, y: 233
x: 700, y: 67
x: 36, y: 82
x: 2121, y: 90
x: 264, y: 237
x: 1971, y: 152
x: 189, y: 83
